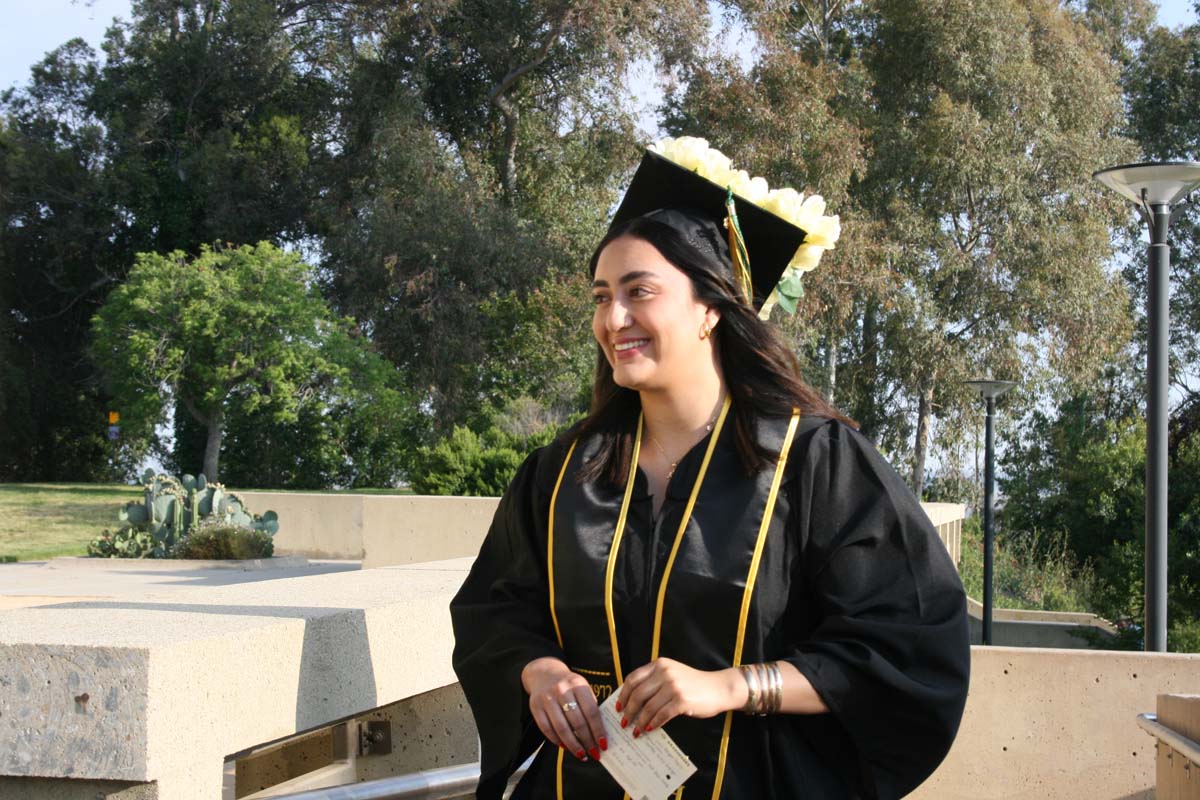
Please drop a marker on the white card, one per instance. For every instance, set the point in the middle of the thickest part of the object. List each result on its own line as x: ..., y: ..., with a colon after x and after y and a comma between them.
x: 649, y: 767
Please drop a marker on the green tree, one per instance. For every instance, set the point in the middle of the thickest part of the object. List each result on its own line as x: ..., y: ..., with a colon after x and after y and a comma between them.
x: 479, y: 153
x: 62, y: 248
x: 233, y: 329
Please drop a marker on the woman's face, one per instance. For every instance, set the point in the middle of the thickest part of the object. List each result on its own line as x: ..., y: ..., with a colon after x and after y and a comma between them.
x: 647, y: 319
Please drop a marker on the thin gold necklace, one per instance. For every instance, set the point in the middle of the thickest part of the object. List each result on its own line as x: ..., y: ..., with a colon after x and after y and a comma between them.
x: 708, y: 429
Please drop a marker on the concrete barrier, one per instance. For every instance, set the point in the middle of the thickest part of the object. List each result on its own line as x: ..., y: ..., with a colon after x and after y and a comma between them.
x: 1055, y: 629
x: 384, y: 530
x: 153, y: 694
x: 1058, y: 723
x: 317, y: 525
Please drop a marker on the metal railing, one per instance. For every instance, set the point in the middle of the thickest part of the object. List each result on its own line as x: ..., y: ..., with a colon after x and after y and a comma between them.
x: 1177, y: 741
x: 444, y: 783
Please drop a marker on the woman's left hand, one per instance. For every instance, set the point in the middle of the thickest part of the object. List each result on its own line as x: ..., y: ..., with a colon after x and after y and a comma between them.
x: 657, y: 692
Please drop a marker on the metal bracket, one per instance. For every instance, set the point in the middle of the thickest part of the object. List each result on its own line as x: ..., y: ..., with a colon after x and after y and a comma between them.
x: 374, y: 738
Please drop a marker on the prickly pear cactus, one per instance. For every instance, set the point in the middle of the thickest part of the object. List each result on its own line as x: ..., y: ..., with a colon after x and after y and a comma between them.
x: 170, y: 510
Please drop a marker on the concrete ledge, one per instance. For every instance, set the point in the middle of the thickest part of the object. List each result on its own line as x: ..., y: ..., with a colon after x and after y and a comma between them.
x: 1013, y: 627
x: 1058, y: 723
x: 174, y: 685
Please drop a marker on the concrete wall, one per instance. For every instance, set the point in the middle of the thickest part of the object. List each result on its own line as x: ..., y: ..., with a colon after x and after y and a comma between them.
x: 1057, y: 629
x: 1058, y: 724
x: 312, y: 524
x: 384, y: 530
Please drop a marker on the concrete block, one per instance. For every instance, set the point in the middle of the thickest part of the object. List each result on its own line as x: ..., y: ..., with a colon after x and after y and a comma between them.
x: 63, y: 707
x: 1058, y: 723
x: 221, y: 669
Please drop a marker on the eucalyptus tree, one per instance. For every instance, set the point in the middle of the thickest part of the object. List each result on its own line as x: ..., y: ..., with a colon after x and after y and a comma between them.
x: 990, y: 121
x: 480, y: 148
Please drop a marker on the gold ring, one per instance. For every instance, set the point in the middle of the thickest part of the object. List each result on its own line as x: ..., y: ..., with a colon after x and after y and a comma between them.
x: 570, y: 706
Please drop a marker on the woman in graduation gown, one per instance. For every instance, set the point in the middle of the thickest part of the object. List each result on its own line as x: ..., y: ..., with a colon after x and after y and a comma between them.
x: 714, y: 543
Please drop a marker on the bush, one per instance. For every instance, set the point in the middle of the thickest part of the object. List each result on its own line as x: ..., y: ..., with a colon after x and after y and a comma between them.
x: 476, y: 464
x: 220, y: 542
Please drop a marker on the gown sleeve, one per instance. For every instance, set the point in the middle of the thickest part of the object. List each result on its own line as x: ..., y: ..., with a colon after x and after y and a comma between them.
x: 889, y: 648
x: 502, y: 622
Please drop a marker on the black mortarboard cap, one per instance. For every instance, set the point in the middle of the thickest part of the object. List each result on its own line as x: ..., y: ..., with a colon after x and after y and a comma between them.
x: 661, y: 184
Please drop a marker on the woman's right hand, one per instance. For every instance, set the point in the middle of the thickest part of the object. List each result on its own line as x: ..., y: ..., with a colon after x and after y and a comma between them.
x: 564, y: 707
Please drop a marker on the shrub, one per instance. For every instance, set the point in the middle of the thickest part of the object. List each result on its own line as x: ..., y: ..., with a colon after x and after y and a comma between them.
x: 474, y: 464
x: 218, y: 542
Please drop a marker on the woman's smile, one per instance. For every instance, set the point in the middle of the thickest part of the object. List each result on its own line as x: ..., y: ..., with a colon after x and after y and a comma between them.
x: 629, y: 348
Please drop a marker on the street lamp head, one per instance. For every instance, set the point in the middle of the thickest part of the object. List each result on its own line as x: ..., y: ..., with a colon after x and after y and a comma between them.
x: 1152, y: 184
x: 988, y: 388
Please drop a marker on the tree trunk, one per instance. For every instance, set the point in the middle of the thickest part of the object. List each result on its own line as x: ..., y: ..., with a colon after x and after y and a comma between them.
x: 869, y: 367
x: 924, y: 413
x: 212, y: 447
x: 508, y: 109
x: 831, y: 354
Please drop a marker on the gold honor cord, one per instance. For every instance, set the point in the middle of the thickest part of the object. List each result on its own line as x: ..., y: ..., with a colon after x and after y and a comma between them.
x: 550, y: 543
x: 748, y: 593
x: 612, y: 554
x: 550, y: 581
x: 687, y: 516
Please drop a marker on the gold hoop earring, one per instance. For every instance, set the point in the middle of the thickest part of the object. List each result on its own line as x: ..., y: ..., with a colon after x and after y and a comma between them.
x: 705, y: 331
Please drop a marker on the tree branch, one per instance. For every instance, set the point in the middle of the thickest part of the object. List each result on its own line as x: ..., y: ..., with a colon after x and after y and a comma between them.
x: 499, y: 98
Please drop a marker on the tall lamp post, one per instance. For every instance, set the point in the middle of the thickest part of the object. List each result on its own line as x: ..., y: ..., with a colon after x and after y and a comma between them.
x: 989, y: 390
x: 1158, y: 192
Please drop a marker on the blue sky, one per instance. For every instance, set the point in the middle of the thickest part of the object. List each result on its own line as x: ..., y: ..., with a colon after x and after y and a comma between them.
x: 33, y: 27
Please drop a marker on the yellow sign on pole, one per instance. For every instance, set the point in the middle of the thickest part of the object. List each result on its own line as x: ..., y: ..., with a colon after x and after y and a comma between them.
x: 113, y: 417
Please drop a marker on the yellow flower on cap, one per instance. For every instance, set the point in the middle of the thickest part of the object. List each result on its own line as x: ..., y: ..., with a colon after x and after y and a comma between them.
x: 807, y: 213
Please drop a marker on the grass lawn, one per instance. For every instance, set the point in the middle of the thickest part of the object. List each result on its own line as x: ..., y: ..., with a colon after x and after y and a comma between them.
x: 44, y: 520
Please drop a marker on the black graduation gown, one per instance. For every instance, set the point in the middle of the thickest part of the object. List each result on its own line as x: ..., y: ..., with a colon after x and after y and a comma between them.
x: 853, y: 588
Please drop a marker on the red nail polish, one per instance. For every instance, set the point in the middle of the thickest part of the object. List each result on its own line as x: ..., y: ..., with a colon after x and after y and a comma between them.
x: 594, y: 753
x: 618, y: 705
x: 582, y: 756
x: 603, y: 743
x: 636, y: 732
x: 647, y: 729
x: 624, y: 722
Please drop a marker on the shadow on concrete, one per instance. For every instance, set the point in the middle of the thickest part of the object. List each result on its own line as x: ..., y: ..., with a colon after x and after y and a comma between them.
x: 230, y: 577
x: 337, y: 673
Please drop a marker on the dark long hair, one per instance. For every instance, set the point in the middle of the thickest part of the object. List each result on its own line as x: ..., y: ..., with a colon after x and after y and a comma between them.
x: 762, y: 374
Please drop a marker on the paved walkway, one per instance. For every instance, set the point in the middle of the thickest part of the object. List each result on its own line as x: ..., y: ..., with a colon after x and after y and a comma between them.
x: 39, y: 583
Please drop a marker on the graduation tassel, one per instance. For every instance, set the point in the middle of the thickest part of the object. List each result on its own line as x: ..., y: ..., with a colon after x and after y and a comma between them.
x: 737, y: 251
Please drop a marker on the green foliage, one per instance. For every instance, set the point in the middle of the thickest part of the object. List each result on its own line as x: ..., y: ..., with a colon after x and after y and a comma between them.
x: 479, y: 464
x: 1036, y: 572
x: 171, y: 511
x: 214, y: 542
x: 236, y: 328
x: 1082, y: 473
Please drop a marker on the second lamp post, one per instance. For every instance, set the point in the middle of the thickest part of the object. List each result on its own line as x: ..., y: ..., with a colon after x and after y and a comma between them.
x: 989, y: 390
